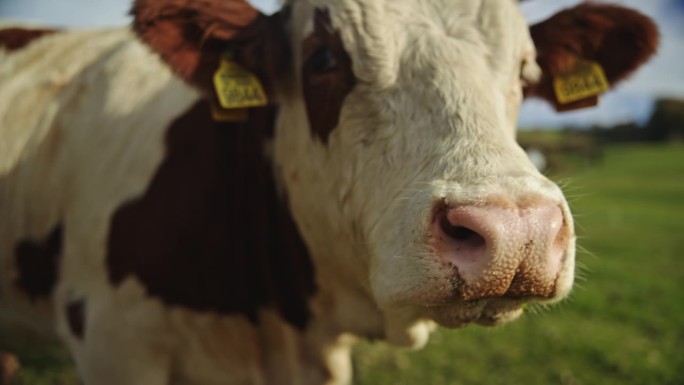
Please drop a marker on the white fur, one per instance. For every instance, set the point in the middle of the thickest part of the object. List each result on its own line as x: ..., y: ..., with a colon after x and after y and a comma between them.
x: 432, y: 118
x: 83, y: 134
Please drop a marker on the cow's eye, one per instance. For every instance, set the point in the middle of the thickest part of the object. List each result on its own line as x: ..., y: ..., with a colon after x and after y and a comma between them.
x: 322, y: 60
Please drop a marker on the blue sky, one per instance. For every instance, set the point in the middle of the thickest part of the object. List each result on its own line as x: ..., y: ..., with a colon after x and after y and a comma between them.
x: 631, y: 101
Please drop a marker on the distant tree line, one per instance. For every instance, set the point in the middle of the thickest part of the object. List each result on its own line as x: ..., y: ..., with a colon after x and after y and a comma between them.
x: 562, y: 150
x: 666, y: 124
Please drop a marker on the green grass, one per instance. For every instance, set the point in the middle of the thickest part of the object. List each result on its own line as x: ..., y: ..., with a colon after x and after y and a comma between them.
x: 624, y: 323
x: 41, y: 364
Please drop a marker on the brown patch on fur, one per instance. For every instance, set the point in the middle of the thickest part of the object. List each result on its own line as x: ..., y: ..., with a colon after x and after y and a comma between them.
x: 526, y: 284
x: 325, y: 88
x: 531, y: 200
x: 75, y: 315
x: 12, y: 39
x: 191, y: 36
x: 210, y: 232
x: 501, y: 201
x: 9, y: 368
x: 482, y: 290
x: 620, y: 39
x: 38, y: 263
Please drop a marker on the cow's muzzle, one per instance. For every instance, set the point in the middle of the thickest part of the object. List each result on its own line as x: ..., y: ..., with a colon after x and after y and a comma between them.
x: 502, y: 249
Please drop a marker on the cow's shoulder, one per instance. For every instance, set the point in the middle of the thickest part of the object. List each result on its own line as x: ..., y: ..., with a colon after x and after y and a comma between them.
x: 82, y: 122
x: 210, y: 233
x: 51, y: 78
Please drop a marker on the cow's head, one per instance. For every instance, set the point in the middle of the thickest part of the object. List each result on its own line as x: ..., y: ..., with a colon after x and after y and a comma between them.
x: 395, y: 141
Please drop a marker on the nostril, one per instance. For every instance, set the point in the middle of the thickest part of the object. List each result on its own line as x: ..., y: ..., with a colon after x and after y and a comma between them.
x: 462, y: 234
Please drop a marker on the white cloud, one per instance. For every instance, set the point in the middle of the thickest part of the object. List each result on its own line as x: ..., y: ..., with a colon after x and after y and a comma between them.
x: 267, y: 7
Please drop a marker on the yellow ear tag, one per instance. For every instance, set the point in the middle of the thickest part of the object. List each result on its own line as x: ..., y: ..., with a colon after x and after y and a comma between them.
x: 236, y: 87
x: 587, y: 79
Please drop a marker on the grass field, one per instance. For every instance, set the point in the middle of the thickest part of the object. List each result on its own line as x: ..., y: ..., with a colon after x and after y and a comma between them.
x: 624, y: 323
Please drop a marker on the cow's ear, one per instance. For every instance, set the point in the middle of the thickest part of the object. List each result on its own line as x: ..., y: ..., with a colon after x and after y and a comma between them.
x: 191, y: 36
x: 617, y: 38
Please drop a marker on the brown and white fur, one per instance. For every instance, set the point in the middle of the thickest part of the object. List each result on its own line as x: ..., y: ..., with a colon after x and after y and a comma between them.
x: 164, y: 247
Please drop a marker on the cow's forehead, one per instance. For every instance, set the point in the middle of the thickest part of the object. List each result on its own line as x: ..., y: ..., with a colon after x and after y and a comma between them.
x: 381, y: 34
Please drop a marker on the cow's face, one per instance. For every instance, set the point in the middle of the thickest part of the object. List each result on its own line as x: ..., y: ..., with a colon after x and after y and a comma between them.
x: 395, y: 141
x: 414, y: 168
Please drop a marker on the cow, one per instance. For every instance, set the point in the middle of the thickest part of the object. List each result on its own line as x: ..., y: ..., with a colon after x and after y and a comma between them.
x: 369, y: 185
